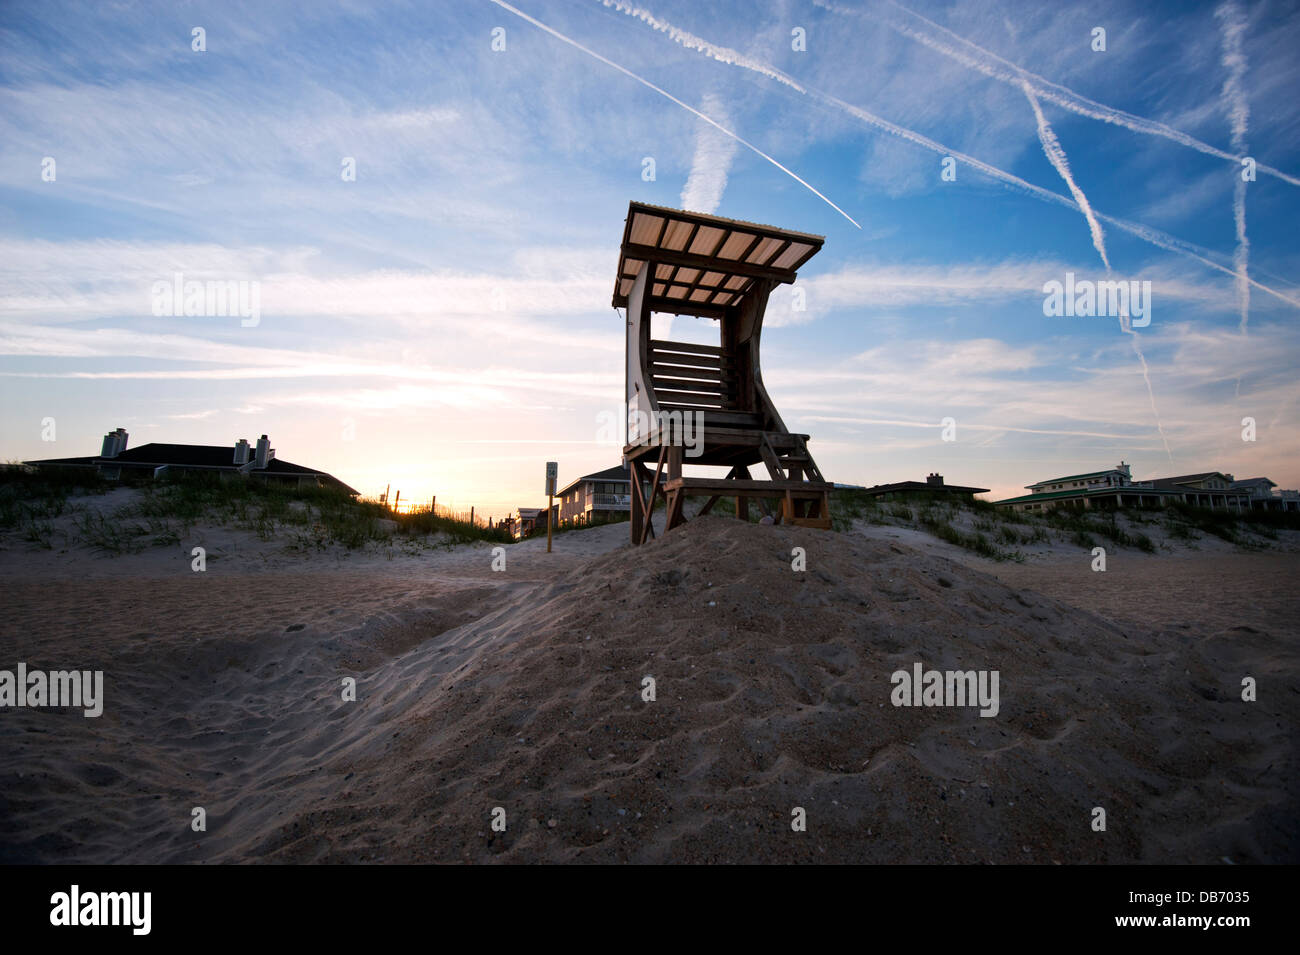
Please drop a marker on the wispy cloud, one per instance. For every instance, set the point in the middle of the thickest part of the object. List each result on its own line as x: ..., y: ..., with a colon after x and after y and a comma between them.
x: 1146, y: 233
x: 970, y: 54
x: 1056, y: 156
x: 1015, y: 286
x: 711, y: 164
x: 1015, y: 394
x: 646, y: 83
x: 1238, y: 110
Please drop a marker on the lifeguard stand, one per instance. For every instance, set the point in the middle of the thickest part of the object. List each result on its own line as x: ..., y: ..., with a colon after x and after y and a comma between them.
x: 688, y: 263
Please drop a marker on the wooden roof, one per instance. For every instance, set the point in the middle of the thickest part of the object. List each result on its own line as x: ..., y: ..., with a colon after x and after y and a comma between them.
x: 703, y: 263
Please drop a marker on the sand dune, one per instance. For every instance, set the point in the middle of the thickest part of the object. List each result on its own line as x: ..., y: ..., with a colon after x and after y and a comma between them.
x: 522, y: 690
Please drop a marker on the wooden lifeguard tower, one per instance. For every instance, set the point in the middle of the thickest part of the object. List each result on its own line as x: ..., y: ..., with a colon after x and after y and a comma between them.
x: 706, y: 404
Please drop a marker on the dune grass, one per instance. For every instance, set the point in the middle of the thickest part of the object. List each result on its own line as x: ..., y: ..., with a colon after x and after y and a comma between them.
x: 316, y: 518
x: 31, y: 500
x: 998, y: 533
x: 164, y: 512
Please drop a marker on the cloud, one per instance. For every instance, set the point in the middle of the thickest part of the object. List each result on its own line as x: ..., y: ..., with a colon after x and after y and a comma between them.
x: 1012, y: 283
x: 714, y: 153
x: 1056, y: 156
x: 1040, y: 404
x: 1145, y: 233
x: 1238, y: 110
x: 646, y: 83
x: 991, y: 65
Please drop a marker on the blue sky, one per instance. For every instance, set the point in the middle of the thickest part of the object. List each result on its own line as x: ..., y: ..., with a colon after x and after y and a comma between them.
x: 443, y: 322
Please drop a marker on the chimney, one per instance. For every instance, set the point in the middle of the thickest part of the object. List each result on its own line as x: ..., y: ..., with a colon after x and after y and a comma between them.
x: 114, y: 443
x: 241, y: 452
x: 1125, y: 468
x: 935, y: 480
x: 263, y: 452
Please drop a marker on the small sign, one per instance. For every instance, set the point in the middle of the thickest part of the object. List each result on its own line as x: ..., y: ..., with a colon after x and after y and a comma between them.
x: 552, y: 471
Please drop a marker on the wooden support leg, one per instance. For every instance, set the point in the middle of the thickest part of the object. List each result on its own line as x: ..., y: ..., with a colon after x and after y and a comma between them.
x: 673, y: 510
x: 675, y: 454
x: 638, y: 503
x: 642, y: 505
x: 708, y: 505
x: 654, y: 491
x: 673, y: 499
x: 742, y: 504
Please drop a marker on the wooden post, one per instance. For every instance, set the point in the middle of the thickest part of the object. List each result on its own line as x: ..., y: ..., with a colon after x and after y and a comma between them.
x: 552, y: 473
x: 396, y: 501
x: 433, y: 505
x: 637, y: 502
x: 471, y: 515
x: 673, y: 508
x: 742, y: 503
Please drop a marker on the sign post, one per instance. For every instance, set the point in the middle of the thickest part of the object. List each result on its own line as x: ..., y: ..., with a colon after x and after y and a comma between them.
x: 552, y: 471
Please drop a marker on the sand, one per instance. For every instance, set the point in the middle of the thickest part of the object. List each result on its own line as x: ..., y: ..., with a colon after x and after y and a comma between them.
x: 522, y: 690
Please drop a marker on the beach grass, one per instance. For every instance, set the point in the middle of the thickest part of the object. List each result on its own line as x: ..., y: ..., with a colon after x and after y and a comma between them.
x: 163, y: 512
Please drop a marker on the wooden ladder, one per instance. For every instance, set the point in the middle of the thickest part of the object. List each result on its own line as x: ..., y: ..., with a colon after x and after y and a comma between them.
x: 787, y: 459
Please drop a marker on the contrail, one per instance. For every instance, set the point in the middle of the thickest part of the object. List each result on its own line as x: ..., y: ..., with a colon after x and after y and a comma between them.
x: 692, y: 42
x: 711, y: 163
x: 733, y: 58
x: 644, y: 82
x: 1126, y: 326
x: 968, y: 427
x: 1238, y: 108
x: 976, y: 57
x: 1056, y: 156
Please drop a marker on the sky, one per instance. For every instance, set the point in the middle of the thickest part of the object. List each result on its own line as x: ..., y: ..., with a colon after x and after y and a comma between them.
x: 428, y: 200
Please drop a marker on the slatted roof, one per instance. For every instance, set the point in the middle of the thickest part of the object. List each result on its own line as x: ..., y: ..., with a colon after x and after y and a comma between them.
x: 703, y: 264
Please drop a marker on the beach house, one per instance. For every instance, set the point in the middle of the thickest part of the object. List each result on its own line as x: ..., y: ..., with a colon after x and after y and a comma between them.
x: 117, y: 462
x: 1115, y: 487
x: 932, y: 485
x: 526, y: 521
x: 1110, y: 487
x: 1207, y: 489
x: 1260, y: 495
x: 602, y: 495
